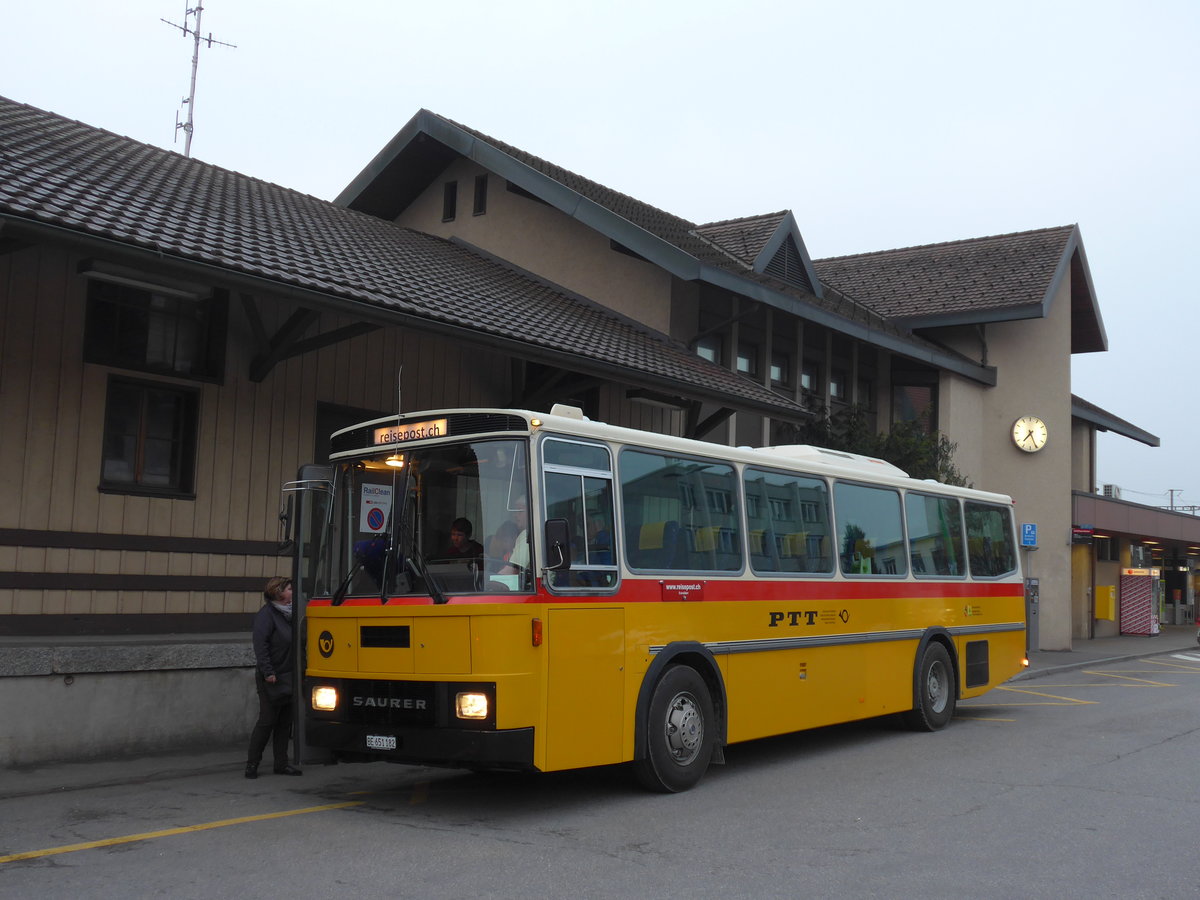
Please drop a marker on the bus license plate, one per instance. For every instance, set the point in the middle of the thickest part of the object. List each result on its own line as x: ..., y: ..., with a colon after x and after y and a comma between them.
x: 381, y: 742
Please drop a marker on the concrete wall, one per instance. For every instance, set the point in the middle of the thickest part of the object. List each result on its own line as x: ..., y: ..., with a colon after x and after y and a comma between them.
x: 549, y: 243
x: 98, y: 698
x: 1033, y: 359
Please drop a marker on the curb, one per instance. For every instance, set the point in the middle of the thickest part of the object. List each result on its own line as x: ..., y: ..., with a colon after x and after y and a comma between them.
x: 1032, y: 673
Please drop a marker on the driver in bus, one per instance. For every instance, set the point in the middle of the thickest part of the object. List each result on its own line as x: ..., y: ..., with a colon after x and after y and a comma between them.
x: 461, y: 545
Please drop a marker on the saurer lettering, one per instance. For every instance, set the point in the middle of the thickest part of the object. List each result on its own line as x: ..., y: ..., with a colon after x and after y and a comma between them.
x: 390, y: 702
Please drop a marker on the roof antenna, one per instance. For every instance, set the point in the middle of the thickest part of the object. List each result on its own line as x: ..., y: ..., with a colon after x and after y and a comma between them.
x: 190, y: 100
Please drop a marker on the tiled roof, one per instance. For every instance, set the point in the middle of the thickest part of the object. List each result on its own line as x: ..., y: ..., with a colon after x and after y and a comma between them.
x: 713, y: 244
x: 745, y: 237
x: 62, y: 173
x: 973, y: 276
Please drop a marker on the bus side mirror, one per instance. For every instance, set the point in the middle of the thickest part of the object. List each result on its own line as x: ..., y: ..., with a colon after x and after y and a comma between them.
x: 285, y: 545
x: 558, y: 545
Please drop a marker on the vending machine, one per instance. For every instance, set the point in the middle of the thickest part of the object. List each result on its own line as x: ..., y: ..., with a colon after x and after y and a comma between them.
x: 1139, y: 601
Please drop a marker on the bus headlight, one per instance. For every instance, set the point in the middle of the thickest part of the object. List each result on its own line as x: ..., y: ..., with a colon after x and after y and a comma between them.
x: 471, y: 705
x: 324, y: 698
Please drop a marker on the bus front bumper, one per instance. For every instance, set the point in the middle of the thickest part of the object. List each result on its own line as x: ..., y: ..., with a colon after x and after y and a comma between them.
x: 431, y: 746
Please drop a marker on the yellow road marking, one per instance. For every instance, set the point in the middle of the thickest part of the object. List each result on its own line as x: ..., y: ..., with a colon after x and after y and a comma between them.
x: 1140, y: 682
x: 168, y: 832
x: 1171, y: 665
x: 1067, y: 701
x: 982, y: 718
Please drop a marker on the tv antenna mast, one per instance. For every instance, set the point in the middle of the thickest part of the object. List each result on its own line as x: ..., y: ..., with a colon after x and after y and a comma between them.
x: 190, y: 100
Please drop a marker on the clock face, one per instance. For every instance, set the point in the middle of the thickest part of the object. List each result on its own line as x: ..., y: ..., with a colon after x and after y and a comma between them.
x: 1029, y: 433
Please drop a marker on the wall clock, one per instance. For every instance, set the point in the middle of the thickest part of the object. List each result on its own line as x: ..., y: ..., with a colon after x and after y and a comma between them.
x: 1029, y: 433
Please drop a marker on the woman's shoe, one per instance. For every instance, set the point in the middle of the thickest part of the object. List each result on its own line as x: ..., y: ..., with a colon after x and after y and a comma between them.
x: 287, y: 770
x: 251, y: 770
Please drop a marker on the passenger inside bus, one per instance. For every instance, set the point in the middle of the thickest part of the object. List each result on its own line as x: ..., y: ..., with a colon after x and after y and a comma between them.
x: 461, y: 545
x: 500, y: 545
x: 518, y: 560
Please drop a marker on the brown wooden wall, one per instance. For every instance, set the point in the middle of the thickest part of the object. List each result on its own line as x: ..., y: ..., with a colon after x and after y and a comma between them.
x: 66, y: 548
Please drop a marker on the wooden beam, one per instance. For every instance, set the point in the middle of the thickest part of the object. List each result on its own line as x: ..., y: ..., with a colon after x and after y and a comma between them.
x: 703, y: 428
x: 287, y: 335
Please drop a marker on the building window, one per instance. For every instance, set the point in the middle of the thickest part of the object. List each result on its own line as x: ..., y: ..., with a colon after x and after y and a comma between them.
x: 709, y: 347
x: 747, y: 359
x: 481, y: 184
x: 866, y: 393
x: 140, y: 329
x: 449, y: 201
x: 810, y: 377
x: 149, y: 438
x: 838, y: 384
x: 781, y: 369
x: 915, y: 403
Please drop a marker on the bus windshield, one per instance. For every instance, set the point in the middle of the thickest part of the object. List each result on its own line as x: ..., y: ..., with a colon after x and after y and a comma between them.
x: 434, y: 521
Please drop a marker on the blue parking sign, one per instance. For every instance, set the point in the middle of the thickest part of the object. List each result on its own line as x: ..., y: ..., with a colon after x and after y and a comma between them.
x: 1028, y: 534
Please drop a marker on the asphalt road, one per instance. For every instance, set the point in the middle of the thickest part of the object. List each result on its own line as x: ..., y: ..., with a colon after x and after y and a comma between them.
x: 1078, y: 784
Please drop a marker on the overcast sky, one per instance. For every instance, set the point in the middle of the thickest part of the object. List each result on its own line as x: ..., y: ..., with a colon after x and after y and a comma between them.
x: 879, y: 124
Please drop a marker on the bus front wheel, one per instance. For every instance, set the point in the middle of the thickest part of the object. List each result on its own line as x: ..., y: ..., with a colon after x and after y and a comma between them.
x: 934, y: 696
x: 680, y: 729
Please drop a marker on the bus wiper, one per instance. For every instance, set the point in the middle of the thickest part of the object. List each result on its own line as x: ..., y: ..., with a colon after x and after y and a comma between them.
x: 416, y: 561
x: 340, y: 594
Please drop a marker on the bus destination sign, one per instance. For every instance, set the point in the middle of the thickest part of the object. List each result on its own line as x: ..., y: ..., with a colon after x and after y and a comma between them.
x: 411, y: 431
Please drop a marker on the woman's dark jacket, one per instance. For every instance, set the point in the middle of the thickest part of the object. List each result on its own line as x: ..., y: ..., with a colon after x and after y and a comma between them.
x: 273, y: 651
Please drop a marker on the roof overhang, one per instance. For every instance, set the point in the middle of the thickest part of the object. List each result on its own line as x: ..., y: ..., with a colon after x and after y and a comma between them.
x: 736, y: 391
x: 1103, y: 420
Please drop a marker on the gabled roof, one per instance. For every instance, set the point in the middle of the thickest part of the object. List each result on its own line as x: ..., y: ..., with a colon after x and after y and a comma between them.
x: 429, y: 143
x: 69, y: 181
x: 770, y: 244
x: 988, y: 279
x: 1106, y: 421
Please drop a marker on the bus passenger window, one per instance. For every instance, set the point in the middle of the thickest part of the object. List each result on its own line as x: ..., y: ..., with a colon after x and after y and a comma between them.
x: 681, y: 514
x: 871, y: 533
x: 935, y: 541
x: 789, y: 522
x: 990, y: 543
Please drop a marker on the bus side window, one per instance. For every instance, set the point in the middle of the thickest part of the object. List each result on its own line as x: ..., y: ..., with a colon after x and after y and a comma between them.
x: 788, y: 516
x: 577, y: 480
x: 871, y: 538
x: 990, y: 546
x: 935, y: 539
x: 681, y: 513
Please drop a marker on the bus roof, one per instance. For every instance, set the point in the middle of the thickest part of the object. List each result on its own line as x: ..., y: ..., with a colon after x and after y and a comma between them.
x: 569, y: 420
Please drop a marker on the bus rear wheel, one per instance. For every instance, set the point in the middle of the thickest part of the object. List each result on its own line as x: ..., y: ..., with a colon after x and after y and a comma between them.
x: 680, y: 728
x: 933, y: 702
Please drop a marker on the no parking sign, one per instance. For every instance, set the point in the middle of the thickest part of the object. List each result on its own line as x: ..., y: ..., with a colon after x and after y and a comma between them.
x: 375, y: 508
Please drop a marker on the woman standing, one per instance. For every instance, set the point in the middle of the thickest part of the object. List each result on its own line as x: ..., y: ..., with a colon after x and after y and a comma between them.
x: 273, y: 678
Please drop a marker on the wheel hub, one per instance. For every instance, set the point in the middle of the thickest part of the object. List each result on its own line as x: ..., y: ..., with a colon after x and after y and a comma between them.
x: 685, y: 728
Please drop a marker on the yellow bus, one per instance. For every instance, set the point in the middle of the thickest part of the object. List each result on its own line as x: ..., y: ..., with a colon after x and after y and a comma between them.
x: 505, y: 589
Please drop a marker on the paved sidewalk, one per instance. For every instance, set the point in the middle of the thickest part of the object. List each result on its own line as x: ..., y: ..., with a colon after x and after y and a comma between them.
x: 1172, y: 639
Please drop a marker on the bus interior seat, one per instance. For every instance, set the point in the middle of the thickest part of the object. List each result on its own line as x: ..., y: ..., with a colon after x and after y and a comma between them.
x: 657, y: 545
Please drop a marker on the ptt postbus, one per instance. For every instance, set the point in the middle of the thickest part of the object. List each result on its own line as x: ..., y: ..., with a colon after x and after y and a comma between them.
x: 616, y: 596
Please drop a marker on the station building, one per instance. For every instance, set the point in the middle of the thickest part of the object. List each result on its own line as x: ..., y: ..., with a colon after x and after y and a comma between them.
x: 178, y: 339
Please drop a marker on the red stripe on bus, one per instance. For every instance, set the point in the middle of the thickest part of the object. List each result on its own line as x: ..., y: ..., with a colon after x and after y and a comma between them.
x: 650, y: 590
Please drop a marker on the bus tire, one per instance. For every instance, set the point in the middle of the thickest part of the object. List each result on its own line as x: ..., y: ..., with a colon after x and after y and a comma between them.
x: 680, y: 729
x: 934, y: 696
